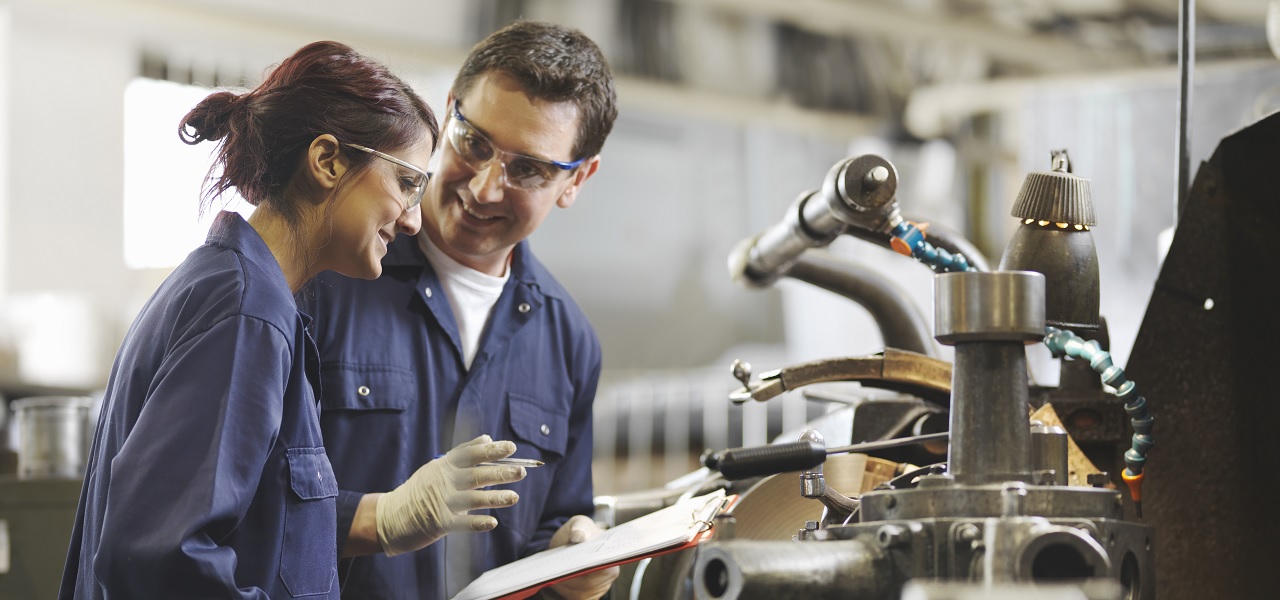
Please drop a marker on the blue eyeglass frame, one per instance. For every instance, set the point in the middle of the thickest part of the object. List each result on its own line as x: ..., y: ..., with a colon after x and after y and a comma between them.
x: 563, y: 166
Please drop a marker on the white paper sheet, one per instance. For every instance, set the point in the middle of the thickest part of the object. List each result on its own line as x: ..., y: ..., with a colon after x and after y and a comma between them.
x: 666, y: 528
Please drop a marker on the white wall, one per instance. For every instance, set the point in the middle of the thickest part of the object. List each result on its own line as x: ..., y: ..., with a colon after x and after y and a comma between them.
x: 686, y: 173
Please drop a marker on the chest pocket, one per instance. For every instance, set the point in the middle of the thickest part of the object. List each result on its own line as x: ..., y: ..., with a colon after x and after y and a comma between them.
x: 539, y: 424
x: 309, y: 558
x: 366, y: 388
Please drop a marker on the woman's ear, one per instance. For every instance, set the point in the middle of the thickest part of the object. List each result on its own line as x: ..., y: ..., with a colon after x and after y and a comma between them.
x: 326, y: 163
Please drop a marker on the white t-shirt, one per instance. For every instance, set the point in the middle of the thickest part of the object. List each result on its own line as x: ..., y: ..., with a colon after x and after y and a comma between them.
x: 471, y: 295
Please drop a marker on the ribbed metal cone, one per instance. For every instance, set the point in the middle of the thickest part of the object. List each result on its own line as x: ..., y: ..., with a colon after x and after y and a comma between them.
x: 1055, y: 197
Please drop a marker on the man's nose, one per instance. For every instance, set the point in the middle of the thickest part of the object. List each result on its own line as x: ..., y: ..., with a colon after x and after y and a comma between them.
x: 487, y: 184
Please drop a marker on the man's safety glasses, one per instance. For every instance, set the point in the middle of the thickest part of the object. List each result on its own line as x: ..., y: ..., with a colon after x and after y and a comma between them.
x: 412, y: 185
x: 519, y: 171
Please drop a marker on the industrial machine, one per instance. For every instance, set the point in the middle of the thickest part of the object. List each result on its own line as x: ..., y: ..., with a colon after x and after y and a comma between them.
x: 1000, y: 512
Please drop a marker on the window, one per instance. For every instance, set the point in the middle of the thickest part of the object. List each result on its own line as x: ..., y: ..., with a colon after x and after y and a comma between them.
x: 163, y: 176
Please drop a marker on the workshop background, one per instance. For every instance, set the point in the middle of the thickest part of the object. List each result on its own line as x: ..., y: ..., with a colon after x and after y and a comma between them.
x: 729, y: 109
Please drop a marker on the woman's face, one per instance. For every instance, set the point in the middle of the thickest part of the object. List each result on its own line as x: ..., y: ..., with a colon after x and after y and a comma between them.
x: 369, y: 211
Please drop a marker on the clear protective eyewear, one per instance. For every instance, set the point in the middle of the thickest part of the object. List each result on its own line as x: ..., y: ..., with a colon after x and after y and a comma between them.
x: 413, y: 187
x: 519, y: 171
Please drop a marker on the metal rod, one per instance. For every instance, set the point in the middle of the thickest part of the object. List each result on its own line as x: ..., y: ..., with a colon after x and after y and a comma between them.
x: 893, y: 443
x: 1186, y: 71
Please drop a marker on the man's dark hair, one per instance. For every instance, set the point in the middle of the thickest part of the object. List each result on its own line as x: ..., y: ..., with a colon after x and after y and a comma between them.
x: 554, y: 63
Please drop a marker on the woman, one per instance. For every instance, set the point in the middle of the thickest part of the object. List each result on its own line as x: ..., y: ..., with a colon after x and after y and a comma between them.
x: 208, y: 477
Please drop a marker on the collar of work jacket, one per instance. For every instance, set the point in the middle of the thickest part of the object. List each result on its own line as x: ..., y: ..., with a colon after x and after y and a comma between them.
x: 527, y: 291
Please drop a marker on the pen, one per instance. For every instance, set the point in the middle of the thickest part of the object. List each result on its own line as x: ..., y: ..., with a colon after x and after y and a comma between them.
x: 512, y: 462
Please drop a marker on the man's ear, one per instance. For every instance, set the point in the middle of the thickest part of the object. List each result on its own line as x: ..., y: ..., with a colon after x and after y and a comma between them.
x: 584, y: 172
x: 326, y: 162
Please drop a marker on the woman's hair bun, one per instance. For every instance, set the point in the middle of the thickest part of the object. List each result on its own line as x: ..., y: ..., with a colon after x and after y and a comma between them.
x: 211, y: 118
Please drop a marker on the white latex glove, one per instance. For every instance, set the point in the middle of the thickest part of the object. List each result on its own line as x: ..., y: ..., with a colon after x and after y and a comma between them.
x: 434, y: 501
x: 591, y: 586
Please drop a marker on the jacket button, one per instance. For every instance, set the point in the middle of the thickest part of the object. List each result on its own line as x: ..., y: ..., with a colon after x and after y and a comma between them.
x: 427, y: 291
x: 545, y: 430
x: 363, y: 390
x: 523, y: 308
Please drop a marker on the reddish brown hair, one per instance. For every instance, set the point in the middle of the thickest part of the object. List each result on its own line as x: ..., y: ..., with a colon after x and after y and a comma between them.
x: 325, y: 87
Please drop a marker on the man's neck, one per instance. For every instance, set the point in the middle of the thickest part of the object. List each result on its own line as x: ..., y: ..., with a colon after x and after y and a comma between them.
x: 499, y: 269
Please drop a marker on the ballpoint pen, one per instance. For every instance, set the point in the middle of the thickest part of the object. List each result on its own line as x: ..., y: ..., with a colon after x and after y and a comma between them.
x: 512, y: 462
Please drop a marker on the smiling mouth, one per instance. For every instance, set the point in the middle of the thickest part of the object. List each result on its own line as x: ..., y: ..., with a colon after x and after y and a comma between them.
x: 473, y: 214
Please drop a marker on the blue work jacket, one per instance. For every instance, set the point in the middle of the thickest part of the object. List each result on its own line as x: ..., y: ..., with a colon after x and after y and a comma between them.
x: 397, y: 395
x: 208, y: 477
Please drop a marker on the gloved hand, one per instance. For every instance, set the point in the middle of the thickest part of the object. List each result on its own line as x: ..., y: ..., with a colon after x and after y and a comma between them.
x: 576, y: 530
x: 434, y: 501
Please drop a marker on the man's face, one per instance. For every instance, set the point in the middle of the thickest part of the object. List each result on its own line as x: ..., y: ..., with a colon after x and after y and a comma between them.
x: 477, y: 214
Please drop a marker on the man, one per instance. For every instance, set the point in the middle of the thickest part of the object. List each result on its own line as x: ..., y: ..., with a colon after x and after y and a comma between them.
x: 467, y: 334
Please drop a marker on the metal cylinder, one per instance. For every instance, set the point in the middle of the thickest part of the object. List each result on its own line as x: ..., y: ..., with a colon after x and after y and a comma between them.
x: 53, y: 436
x: 1049, y: 451
x: 989, y: 317
x: 990, y: 437
x: 990, y: 306
x: 791, y: 571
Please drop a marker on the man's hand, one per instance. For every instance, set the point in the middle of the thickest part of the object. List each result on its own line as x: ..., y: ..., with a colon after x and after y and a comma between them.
x: 435, y: 499
x: 583, y: 587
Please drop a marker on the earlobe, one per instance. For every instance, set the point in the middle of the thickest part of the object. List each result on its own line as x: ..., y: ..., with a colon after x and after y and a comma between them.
x: 568, y: 196
x: 581, y: 176
x: 325, y: 161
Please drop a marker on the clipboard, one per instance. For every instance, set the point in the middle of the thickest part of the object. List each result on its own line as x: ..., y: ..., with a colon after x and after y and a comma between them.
x: 682, y: 525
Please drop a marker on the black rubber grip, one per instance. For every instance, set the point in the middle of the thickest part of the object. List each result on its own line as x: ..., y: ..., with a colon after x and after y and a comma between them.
x: 741, y: 463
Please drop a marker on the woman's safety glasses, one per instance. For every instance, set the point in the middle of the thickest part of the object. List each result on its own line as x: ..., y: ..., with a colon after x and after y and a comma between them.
x: 412, y: 184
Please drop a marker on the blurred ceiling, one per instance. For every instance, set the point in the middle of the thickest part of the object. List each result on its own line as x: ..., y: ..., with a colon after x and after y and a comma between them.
x: 838, y: 63
x: 856, y: 57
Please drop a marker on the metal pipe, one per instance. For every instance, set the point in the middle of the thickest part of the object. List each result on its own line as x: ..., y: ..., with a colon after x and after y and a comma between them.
x: 1186, y: 72
x: 805, y: 571
x: 900, y: 322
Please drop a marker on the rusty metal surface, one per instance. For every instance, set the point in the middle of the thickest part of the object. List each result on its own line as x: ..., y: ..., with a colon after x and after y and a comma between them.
x: 893, y: 369
x: 1206, y: 372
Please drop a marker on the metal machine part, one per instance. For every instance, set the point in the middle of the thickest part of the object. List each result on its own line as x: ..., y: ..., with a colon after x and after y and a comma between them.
x: 54, y: 434
x: 990, y: 438
x: 857, y: 192
x: 901, y: 325
x: 1204, y: 353
x: 858, y: 199
x: 1049, y: 451
x: 939, y: 235
x: 1054, y: 238
x: 837, y: 507
x: 899, y: 370
x: 985, y: 520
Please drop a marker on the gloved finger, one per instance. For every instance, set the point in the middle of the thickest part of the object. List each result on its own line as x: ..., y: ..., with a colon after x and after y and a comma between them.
x: 576, y: 530
x: 462, y: 523
x: 473, y: 453
x: 478, y: 477
x: 480, y: 439
x: 474, y: 500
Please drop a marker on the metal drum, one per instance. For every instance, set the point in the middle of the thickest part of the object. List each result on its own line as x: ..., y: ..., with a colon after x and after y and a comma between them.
x: 53, y: 436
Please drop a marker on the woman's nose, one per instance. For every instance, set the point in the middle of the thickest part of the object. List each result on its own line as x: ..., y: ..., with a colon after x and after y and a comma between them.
x: 410, y: 221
